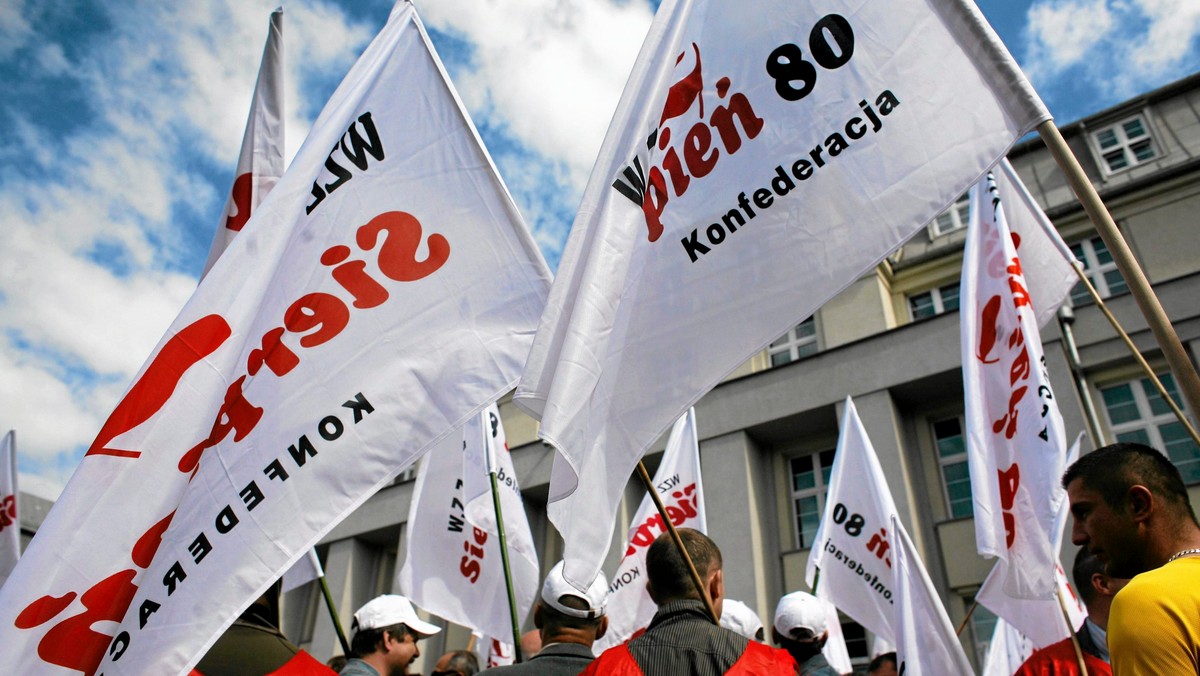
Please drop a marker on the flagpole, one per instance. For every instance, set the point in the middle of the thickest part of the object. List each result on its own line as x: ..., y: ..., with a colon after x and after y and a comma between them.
x: 1156, y: 317
x: 1066, y: 317
x: 1162, y: 391
x: 508, y: 585
x: 1062, y: 605
x: 333, y: 615
x: 970, y: 611
x: 662, y: 513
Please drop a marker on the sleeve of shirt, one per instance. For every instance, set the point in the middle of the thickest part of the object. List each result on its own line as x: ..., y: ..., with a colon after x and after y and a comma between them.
x: 1147, y: 637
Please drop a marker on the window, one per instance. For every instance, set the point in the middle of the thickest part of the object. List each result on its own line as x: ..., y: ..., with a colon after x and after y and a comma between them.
x: 983, y: 625
x: 1125, y: 144
x: 952, y: 456
x: 1137, y: 412
x: 796, y: 344
x: 1100, y: 269
x: 810, y: 481
x: 954, y: 218
x: 934, y: 302
x: 856, y: 643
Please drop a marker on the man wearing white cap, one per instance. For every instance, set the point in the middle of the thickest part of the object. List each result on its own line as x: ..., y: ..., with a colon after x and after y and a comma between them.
x: 800, y: 629
x: 569, y: 622
x: 739, y: 617
x: 384, y: 635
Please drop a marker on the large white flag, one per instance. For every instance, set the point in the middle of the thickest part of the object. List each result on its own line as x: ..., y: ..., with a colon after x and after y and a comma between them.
x: 1041, y: 620
x: 762, y: 157
x: 383, y: 294
x: 853, y: 546
x: 681, y: 490
x: 10, y: 523
x: 925, y: 640
x: 1015, y: 439
x: 260, y: 162
x: 453, y: 565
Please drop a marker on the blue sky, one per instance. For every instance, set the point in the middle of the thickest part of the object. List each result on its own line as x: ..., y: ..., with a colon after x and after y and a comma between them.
x: 120, y: 124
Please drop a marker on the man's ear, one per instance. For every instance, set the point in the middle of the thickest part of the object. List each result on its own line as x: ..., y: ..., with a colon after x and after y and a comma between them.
x: 1102, y: 585
x: 1140, y: 502
x: 602, y: 628
x: 716, y: 586
x: 538, y: 620
x: 650, y: 591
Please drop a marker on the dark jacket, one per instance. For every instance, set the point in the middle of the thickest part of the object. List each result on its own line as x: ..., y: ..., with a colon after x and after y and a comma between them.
x: 555, y: 659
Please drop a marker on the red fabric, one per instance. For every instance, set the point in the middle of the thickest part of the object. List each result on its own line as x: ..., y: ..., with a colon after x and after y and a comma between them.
x: 302, y: 664
x: 1059, y: 660
x: 758, y: 660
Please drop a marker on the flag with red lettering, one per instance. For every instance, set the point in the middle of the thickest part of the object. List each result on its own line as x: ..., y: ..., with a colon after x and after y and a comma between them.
x: 452, y: 566
x: 306, y: 569
x: 681, y: 490
x: 10, y: 524
x: 493, y: 652
x: 852, y: 547
x: 260, y: 162
x: 1041, y: 620
x: 926, y: 644
x: 1015, y: 439
x: 383, y: 294
x: 762, y: 157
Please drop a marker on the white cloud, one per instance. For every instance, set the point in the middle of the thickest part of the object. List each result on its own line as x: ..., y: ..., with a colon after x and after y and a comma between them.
x: 1062, y: 33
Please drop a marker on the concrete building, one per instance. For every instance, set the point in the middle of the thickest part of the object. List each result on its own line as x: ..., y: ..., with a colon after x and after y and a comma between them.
x: 890, y: 341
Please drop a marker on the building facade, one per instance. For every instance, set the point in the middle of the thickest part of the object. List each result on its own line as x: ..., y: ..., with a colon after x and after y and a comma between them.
x: 890, y: 341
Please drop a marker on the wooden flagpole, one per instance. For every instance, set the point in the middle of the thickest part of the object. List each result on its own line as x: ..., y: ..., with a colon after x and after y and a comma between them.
x: 1062, y: 604
x: 687, y: 559
x: 963, y: 624
x: 1156, y: 317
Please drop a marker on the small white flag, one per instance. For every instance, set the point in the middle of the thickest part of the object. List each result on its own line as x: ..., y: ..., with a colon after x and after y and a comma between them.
x: 681, y: 490
x: 1015, y: 440
x: 835, y: 651
x: 759, y: 161
x: 306, y: 569
x: 492, y: 652
x: 853, y: 545
x: 10, y: 523
x: 260, y: 162
x: 925, y: 641
x: 1007, y: 651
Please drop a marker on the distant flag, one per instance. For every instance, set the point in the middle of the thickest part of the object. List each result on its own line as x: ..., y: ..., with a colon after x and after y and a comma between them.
x: 926, y: 644
x: 835, y: 651
x: 306, y: 569
x: 384, y: 293
x: 10, y: 523
x: 681, y: 489
x: 492, y: 652
x: 260, y: 163
x: 853, y: 547
x: 1015, y: 439
x: 1041, y: 620
x: 1007, y: 650
x: 745, y: 142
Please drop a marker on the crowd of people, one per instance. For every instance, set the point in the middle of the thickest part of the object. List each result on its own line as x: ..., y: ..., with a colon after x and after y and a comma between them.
x: 1136, y: 572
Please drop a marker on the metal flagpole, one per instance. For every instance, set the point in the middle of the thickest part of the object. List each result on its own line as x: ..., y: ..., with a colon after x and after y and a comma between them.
x: 333, y: 615
x: 1156, y: 317
x: 508, y: 585
x: 662, y: 513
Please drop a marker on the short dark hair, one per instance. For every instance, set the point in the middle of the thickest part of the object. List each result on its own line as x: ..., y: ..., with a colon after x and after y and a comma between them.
x: 1086, y: 565
x: 1112, y: 470
x: 367, y: 641
x: 668, y: 573
x: 881, y: 660
x: 464, y: 662
x: 554, y: 620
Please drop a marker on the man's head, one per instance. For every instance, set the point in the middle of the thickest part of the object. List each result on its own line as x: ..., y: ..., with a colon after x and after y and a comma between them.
x: 566, y: 615
x: 801, y: 625
x: 456, y: 663
x: 1096, y: 589
x: 668, y: 578
x: 1130, y: 506
x: 385, y: 631
x: 883, y: 665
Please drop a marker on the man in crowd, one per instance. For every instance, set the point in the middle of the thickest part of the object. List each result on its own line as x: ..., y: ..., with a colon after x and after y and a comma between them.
x: 1132, y: 511
x: 739, y: 617
x: 568, y: 621
x: 384, y: 635
x: 800, y: 629
x: 683, y: 638
x: 883, y: 665
x: 1097, y: 591
x: 456, y: 663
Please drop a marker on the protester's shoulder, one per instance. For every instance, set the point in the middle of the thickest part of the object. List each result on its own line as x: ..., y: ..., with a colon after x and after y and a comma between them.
x: 357, y: 667
x: 616, y: 661
x: 1060, y: 658
x: 776, y: 660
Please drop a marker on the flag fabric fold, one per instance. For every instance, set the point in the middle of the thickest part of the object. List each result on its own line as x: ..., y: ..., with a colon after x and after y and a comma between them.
x: 383, y: 293
x: 681, y: 490
x: 260, y: 162
x: 1016, y: 444
x: 759, y: 161
x: 10, y: 522
x: 306, y: 569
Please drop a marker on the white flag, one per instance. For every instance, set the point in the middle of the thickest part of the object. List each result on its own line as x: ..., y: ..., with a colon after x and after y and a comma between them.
x: 453, y: 567
x: 10, y: 523
x: 492, y: 652
x: 1015, y: 439
x: 1041, y: 620
x: 835, y: 651
x: 763, y: 156
x: 306, y: 569
x: 853, y: 545
x: 260, y: 163
x: 1007, y: 651
x: 681, y: 490
x: 382, y: 295
x: 925, y: 641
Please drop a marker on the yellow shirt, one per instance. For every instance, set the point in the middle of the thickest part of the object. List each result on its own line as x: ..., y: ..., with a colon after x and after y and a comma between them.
x: 1154, y: 624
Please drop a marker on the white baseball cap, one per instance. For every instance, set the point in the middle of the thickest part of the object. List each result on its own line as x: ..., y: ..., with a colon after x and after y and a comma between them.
x: 387, y: 610
x: 800, y: 610
x: 739, y: 617
x: 556, y: 587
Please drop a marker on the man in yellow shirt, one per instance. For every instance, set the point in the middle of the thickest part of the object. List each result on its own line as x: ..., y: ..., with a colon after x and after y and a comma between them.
x: 1132, y: 511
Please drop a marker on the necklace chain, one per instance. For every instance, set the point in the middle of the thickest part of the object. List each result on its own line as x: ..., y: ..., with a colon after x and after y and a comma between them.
x: 1185, y: 552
